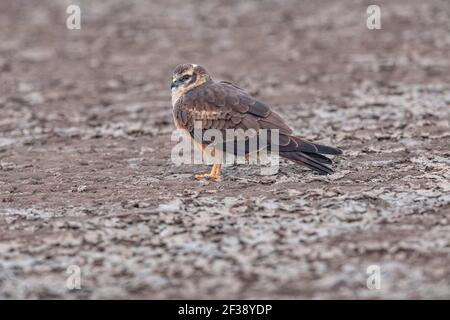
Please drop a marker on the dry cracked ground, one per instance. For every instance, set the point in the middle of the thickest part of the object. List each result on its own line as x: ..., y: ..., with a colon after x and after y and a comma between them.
x: 85, y: 141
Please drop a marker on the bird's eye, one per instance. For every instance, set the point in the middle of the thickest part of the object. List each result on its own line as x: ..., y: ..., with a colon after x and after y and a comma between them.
x: 185, y: 78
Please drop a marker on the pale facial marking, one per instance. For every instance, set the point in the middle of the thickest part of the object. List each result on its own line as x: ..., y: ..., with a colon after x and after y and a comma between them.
x: 185, y: 80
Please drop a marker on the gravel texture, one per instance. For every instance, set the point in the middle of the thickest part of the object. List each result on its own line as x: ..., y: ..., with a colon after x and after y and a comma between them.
x: 86, y: 177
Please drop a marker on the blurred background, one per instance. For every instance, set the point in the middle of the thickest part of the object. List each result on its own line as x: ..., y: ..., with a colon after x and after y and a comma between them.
x: 86, y: 177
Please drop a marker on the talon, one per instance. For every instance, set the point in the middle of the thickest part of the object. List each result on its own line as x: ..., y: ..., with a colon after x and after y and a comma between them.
x: 201, y: 176
x: 207, y: 176
x: 214, y: 174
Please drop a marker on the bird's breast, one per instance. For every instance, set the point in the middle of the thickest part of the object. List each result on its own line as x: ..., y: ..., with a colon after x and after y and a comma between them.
x: 175, y: 96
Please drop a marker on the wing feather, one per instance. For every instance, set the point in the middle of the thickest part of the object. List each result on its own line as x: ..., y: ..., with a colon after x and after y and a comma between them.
x: 222, y: 105
x: 228, y: 103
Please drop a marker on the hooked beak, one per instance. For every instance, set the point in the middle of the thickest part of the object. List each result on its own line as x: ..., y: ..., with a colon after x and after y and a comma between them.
x: 175, y: 83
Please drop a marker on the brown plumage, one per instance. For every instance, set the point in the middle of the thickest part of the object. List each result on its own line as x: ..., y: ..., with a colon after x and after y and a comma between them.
x: 222, y: 105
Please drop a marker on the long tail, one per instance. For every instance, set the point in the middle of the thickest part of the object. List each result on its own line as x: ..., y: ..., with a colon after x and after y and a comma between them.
x: 310, y: 155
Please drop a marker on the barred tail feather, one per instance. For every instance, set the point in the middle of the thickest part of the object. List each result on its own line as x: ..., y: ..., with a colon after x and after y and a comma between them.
x: 309, y: 161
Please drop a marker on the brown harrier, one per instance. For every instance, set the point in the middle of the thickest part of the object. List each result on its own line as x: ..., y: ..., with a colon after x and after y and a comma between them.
x: 222, y: 105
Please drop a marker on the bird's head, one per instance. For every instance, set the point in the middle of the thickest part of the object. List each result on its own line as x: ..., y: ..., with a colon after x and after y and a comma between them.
x: 187, y: 76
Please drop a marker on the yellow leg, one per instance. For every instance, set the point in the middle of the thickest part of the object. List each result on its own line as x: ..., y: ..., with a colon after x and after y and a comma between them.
x: 214, y: 174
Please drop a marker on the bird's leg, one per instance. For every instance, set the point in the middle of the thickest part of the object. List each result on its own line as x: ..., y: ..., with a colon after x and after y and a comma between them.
x: 214, y: 174
x: 216, y: 171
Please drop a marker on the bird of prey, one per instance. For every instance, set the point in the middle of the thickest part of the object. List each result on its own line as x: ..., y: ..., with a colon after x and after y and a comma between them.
x: 221, y: 105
